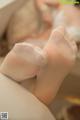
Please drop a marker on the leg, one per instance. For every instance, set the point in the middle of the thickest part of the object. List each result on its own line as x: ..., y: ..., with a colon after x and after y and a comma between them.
x: 60, y: 53
x: 19, y: 103
x: 23, y: 62
x: 61, y: 56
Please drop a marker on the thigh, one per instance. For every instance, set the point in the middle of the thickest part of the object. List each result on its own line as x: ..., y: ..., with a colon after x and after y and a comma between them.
x: 19, y: 103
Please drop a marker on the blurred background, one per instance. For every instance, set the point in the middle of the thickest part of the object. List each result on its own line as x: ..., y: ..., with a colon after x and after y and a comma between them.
x: 66, y: 105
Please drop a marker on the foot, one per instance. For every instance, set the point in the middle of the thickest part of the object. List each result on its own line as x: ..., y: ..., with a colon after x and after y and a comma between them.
x: 23, y: 62
x: 61, y: 54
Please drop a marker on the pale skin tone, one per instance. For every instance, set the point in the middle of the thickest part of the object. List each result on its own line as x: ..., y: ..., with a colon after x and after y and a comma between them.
x: 50, y: 72
x: 37, y: 27
x: 72, y: 19
x: 34, y: 15
x: 29, y: 16
x: 20, y: 103
x: 45, y: 77
x: 71, y: 16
